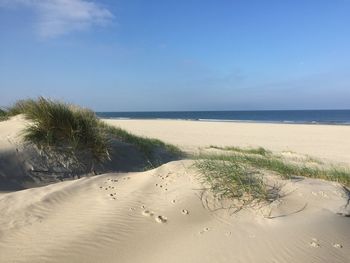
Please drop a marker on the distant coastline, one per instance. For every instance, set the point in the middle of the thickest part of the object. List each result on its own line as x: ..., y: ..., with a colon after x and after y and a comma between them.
x: 326, y: 117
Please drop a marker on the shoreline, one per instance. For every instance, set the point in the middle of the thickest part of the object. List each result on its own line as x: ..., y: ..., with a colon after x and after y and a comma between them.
x: 233, y: 121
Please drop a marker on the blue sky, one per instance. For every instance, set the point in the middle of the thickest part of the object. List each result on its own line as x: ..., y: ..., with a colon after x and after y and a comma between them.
x: 136, y: 55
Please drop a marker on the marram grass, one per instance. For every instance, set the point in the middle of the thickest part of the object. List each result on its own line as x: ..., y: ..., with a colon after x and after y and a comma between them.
x: 21, y: 106
x: 263, y: 159
x: 259, y: 150
x: 234, y: 180
x: 146, y: 145
x: 61, y: 126
x: 69, y: 129
x: 3, y: 114
x: 237, y: 174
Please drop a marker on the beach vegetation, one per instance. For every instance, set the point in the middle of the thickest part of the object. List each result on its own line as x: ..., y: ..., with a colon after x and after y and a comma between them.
x: 259, y: 150
x: 235, y: 180
x: 146, y: 145
x: 63, y: 127
x: 273, y: 163
x: 74, y: 131
x: 20, y: 107
x: 3, y: 114
x: 239, y: 173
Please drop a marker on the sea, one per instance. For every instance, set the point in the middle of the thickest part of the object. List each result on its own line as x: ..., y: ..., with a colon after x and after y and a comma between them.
x: 331, y: 117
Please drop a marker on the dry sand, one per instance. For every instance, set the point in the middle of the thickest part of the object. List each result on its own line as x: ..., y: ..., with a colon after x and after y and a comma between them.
x: 158, y: 215
x: 323, y: 141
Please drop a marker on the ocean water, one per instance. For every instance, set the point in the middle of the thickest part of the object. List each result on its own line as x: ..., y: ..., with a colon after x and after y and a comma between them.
x: 270, y: 116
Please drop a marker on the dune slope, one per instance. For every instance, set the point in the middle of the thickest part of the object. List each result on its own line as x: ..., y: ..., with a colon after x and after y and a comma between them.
x: 24, y: 165
x: 158, y: 216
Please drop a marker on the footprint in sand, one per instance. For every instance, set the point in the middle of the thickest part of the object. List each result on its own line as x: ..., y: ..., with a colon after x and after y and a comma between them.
x: 173, y: 201
x: 314, y: 243
x: 161, y: 219
x: 185, y: 212
x: 336, y: 245
x: 147, y: 213
x: 206, y: 229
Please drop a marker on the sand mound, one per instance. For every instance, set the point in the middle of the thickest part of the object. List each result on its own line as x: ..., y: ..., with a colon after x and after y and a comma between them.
x: 159, y: 216
x: 24, y: 165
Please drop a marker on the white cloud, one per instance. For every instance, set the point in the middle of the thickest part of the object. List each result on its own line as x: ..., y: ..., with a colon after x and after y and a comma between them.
x: 59, y: 17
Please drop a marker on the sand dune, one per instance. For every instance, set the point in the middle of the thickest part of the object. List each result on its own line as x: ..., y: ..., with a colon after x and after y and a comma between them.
x: 163, y: 215
x: 157, y: 216
x: 23, y: 165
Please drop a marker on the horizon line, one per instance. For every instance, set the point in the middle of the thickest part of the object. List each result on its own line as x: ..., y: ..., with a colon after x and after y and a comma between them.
x: 221, y: 110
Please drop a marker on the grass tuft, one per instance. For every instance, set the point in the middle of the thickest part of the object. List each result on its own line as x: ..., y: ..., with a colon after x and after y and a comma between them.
x: 146, y: 145
x: 63, y: 127
x: 236, y: 175
x: 3, y: 114
x: 283, y: 168
x: 75, y: 132
x: 259, y: 150
x: 20, y: 107
x: 234, y: 180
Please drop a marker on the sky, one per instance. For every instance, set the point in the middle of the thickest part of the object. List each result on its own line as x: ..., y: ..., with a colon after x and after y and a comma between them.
x: 163, y: 55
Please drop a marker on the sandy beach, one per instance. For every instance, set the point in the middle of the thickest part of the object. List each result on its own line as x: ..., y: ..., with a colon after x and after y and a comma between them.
x: 330, y: 142
x: 164, y: 215
x: 174, y: 131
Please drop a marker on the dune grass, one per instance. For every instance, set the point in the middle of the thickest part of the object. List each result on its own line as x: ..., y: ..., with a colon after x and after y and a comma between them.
x: 3, y: 114
x: 19, y: 107
x: 259, y: 150
x: 265, y: 160
x: 146, y: 145
x: 62, y: 127
x: 68, y: 129
x: 237, y: 174
x: 235, y: 180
